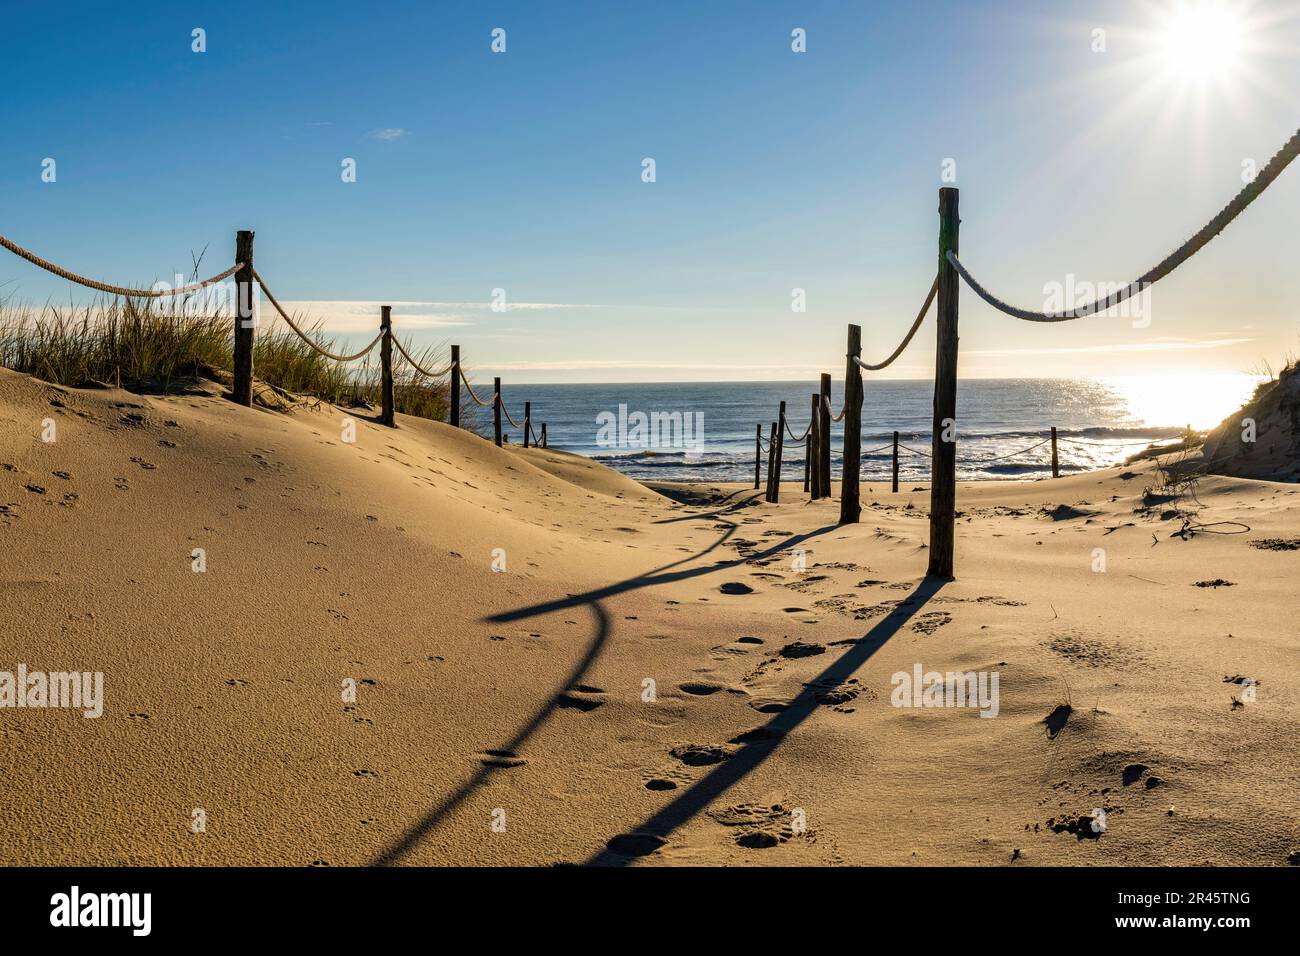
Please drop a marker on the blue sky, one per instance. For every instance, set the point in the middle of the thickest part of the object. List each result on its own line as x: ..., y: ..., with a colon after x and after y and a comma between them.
x: 775, y: 170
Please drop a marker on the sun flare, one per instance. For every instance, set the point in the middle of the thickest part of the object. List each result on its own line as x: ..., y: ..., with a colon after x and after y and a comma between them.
x: 1203, y: 40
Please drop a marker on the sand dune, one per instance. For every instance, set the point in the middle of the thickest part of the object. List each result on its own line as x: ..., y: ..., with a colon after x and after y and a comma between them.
x: 507, y: 716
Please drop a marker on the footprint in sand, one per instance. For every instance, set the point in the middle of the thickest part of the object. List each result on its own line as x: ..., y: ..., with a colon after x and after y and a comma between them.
x: 700, y: 755
x: 757, y: 827
x: 931, y: 621
x: 799, y: 649
x: 759, y: 735
x: 501, y: 758
x: 580, y: 697
x: 700, y: 689
x: 635, y: 844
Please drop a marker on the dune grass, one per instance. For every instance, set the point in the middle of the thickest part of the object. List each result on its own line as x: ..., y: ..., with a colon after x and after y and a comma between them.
x: 150, y: 347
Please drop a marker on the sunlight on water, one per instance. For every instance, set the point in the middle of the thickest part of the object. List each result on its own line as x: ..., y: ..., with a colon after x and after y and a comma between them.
x: 1201, y: 401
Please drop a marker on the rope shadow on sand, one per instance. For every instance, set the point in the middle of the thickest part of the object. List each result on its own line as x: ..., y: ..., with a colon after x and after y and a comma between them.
x: 660, y: 575
x: 761, y: 742
x: 415, y: 833
x: 418, y: 831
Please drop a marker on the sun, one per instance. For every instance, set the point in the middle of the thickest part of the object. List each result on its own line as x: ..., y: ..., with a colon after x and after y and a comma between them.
x: 1202, y: 40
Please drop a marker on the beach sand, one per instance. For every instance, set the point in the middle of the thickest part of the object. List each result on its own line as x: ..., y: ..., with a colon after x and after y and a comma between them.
x: 604, y: 698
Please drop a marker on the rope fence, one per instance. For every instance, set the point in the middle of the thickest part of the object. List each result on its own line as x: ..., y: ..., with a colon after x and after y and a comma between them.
x: 124, y: 291
x: 249, y: 283
x: 1052, y: 439
x: 943, y: 296
x: 1248, y: 194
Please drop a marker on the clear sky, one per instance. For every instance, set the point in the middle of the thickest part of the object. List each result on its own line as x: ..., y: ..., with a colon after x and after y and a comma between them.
x: 775, y: 170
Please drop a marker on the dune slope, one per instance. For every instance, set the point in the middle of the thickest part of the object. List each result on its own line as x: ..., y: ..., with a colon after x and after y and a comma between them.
x: 553, y: 663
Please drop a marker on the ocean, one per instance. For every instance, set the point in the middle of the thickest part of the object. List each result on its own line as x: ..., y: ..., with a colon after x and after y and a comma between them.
x: 705, y: 431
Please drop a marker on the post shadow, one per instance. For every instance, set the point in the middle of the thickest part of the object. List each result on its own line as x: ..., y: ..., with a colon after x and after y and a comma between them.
x: 760, y: 743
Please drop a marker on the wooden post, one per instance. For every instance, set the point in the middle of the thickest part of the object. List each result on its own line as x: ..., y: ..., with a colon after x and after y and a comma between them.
x: 528, y: 421
x: 758, y: 452
x: 895, y: 462
x: 542, y: 436
x: 850, y: 503
x: 455, y: 386
x: 814, y: 453
x: 1056, y: 468
x: 807, y: 458
x: 943, y: 475
x: 771, y: 461
x: 780, y: 455
x: 825, y: 438
x: 386, y: 363
x: 496, y: 411
x: 242, y: 390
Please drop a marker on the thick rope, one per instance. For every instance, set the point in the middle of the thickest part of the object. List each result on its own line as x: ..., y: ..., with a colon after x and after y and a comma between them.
x: 924, y: 454
x: 1244, y: 198
x: 505, y: 411
x: 473, y: 394
x: 302, y: 335
x: 1120, y: 442
x: 790, y: 432
x: 416, y: 365
x: 920, y: 317
x: 63, y: 273
x: 831, y: 412
x: 986, y: 461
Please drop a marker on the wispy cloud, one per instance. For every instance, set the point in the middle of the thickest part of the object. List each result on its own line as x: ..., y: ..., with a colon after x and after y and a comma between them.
x: 388, y: 134
x: 349, y: 316
x: 346, y: 316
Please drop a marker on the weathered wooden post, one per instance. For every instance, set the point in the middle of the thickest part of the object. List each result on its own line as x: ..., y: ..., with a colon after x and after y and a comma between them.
x: 758, y: 452
x: 386, y: 366
x: 807, y: 457
x: 850, y: 503
x: 455, y: 386
x: 814, y: 449
x: 943, y: 475
x: 780, y: 455
x: 825, y: 447
x: 528, y: 421
x: 542, y: 436
x: 496, y: 410
x: 771, y: 462
x: 1056, y: 468
x: 242, y: 389
x: 895, y: 462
